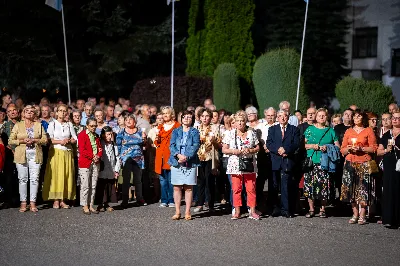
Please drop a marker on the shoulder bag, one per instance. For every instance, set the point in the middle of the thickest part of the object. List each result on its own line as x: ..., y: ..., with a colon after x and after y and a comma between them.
x: 308, y: 163
x: 245, y: 164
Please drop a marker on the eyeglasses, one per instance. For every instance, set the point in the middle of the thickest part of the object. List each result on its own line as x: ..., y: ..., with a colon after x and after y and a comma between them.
x: 187, y: 117
x: 92, y: 126
x: 373, y: 120
x: 385, y: 119
x: 395, y: 118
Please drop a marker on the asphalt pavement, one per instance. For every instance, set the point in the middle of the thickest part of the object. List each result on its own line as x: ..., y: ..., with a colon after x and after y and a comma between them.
x: 147, y: 236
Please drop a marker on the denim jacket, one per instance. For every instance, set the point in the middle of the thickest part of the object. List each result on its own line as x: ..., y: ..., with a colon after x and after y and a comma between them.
x: 330, y: 158
x: 191, y: 147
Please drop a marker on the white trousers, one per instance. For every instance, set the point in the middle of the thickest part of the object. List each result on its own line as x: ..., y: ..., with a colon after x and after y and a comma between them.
x: 88, y: 177
x: 30, y: 170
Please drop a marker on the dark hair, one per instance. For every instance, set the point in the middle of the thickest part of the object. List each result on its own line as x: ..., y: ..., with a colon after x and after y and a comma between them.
x: 298, y: 111
x: 90, y: 119
x: 105, y: 130
x: 205, y: 110
x: 125, y: 113
x: 364, y: 117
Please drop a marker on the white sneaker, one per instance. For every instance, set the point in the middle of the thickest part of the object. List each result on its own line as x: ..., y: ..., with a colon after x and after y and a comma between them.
x: 163, y: 205
x: 233, y: 211
x: 171, y: 205
x: 198, y: 209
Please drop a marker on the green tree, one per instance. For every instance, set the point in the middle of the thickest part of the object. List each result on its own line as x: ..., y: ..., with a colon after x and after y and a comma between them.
x: 275, y: 78
x: 226, y: 87
x: 324, y: 53
x: 220, y: 31
x: 369, y: 95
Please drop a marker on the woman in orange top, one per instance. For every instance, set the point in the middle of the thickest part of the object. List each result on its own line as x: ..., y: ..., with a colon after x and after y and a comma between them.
x: 164, y: 133
x: 359, y: 143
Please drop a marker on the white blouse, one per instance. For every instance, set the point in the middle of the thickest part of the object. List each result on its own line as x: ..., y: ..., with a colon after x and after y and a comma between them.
x: 58, y: 131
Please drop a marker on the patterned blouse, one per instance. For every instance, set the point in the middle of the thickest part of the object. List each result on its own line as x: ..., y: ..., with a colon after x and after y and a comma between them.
x: 250, y: 141
x: 130, y: 146
x: 206, y: 149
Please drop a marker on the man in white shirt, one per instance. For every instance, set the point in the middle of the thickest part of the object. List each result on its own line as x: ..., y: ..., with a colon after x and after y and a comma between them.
x: 285, y: 106
x: 263, y: 156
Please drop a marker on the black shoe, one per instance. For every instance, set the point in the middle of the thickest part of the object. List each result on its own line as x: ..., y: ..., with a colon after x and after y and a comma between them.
x: 276, y: 213
x: 288, y: 215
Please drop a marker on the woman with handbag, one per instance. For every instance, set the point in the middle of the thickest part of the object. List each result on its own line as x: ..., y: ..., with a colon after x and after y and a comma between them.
x: 241, y: 145
x: 389, y: 148
x: 185, y: 143
x: 359, y: 143
x: 316, y: 179
x: 210, y: 139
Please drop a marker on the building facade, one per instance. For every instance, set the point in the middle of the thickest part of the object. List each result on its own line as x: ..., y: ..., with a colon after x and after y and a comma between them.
x: 373, y: 42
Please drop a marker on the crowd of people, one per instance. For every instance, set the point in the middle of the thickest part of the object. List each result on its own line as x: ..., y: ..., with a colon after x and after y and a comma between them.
x: 92, y: 154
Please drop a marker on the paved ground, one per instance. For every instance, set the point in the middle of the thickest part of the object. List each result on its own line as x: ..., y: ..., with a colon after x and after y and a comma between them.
x: 147, y: 236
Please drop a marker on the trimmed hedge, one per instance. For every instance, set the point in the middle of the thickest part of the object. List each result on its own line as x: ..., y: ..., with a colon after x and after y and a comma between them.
x: 220, y: 31
x: 188, y: 91
x: 226, y: 87
x: 275, y: 78
x: 373, y: 96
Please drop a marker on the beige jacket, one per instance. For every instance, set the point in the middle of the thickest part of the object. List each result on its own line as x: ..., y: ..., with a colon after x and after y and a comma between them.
x: 19, y: 133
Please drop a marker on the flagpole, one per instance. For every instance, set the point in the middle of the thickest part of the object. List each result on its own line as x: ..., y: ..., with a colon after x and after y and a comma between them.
x: 301, y: 56
x: 173, y: 53
x: 66, y: 54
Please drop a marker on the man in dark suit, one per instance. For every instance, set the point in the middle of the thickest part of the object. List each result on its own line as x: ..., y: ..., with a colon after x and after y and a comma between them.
x: 283, y: 141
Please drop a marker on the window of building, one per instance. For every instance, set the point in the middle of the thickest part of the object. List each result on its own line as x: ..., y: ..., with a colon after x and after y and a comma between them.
x: 365, y: 42
x: 396, y: 62
x: 371, y: 74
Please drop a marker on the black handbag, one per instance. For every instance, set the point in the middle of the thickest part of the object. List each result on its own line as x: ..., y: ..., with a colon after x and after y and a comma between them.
x: 245, y: 164
x: 308, y: 163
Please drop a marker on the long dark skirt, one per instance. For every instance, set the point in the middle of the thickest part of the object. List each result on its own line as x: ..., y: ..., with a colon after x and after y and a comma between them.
x: 356, y: 183
x: 317, y: 184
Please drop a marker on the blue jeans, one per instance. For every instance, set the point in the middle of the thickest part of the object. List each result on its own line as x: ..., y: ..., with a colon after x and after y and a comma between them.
x: 167, y: 190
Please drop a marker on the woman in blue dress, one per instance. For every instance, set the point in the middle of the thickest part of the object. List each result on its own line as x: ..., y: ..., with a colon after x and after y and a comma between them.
x: 185, y: 142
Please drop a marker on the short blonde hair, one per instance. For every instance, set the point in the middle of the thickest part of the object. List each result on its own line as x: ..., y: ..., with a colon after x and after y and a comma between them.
x: 29, y: 107
x: 241, y: 114
x: 170, y: 110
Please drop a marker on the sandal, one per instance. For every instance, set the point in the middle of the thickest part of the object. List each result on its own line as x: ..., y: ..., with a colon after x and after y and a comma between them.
x: 64, y: 206
x: 235, y: 216
x: 353, y: 220
x: 188, y: 217
x: 33, y: 207
x: 110, y: 209
x: 322, y: 214
x: 310, y: 214
x: 56, y: 206
x: 94, y: 211
x: 362, y: 221
x: 100, y: 209
x: 86, y: 212
x: 176, y: 217
x: 23, y: 207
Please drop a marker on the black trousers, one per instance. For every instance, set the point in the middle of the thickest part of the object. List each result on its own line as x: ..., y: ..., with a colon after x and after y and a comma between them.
x: 206, y: 184
x: 130, y: 167
x: 264, y: 166
x: 10, y: 180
